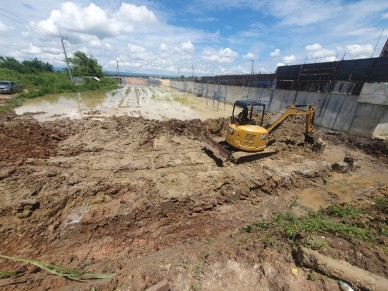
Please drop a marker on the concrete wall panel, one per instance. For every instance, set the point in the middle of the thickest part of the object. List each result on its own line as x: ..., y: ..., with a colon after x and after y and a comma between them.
x: 364, y: 115
x: 367, y: 118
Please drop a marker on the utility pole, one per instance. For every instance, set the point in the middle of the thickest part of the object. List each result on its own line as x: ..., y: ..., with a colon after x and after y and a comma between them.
x: 117, y: 68
x: 193, y: 72
x: 253, y: 62
x: 67, y: 61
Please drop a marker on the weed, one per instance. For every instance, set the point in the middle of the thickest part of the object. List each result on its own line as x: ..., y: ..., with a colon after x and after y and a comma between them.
x: 60, y: 271
x: 342, y: 211
x: 180, y: 99
x: 382, y: 204
x: 315, y: 243
x: 336, y: 220
x: 196, y: 286
x: 209, y: 241
x: 193, y: 266
x: 269, y: 241
x: 9, y: 274
x: 241, y: 242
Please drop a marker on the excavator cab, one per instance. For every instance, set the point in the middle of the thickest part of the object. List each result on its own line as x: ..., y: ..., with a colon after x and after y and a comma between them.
x: 245, y: 132
x: 248, y: 112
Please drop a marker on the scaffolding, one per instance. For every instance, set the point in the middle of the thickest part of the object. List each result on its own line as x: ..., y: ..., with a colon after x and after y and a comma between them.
x: 219, y: 95
x: 341, y: 77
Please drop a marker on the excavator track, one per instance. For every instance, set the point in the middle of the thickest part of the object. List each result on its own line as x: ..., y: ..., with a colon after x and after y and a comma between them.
x: 226, y: 153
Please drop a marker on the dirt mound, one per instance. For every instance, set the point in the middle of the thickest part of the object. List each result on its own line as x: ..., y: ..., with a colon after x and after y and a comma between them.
x: 374, y: 147
x: 26, y: 138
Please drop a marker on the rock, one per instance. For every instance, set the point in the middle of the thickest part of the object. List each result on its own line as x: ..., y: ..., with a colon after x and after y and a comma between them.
x: 340, y: 167
x: 319, y: 146
x: 350, y: 160
x: 26, y: 207
x: 5, y: 173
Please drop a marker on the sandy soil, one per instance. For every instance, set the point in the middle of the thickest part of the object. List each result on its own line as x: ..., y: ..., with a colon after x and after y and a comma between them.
x: 141, y: 199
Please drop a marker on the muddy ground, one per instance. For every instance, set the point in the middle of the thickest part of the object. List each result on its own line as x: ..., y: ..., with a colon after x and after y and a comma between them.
x: 141, y: 199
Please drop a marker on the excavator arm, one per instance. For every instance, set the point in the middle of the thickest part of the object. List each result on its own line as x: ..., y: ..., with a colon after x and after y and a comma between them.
x: 293, y: 110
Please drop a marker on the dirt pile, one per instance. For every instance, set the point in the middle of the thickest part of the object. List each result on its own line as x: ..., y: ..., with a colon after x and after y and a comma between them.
x: 128, y: 195
x: 26, y: 138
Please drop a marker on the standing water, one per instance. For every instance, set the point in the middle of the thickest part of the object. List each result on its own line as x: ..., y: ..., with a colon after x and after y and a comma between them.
x: 139, y: 100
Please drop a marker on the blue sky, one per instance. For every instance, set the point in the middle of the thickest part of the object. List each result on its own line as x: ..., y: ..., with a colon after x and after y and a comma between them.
x: 214, y: 36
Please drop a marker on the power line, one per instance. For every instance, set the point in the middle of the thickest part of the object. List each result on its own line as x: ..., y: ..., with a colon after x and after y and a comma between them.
x: 25, y: 22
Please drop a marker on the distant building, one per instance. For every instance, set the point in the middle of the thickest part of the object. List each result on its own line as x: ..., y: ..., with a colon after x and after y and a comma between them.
x: 384, y: 51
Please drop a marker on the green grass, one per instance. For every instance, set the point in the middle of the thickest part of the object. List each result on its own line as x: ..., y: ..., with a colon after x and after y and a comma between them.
x: 60, y: 271
x: 180, y: 99
x: 41, y: 84
x: 336, y: 220
x: 9, y: 274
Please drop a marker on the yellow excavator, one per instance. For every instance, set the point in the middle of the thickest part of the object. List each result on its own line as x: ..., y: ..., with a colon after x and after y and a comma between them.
x: 248, y: 134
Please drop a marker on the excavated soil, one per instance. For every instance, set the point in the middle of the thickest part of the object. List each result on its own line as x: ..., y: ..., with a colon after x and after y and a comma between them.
x: 141, y: 199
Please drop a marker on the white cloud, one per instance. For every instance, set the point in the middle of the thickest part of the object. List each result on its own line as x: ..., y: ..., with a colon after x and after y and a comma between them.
x: 31, y: 49
x: 163, y: 47
x: 249, y: 56
x: 280, y: 64
x: 3, y: 27
x: 95, y: 21
x: 135, y: 14
x: 135, y: 49
x: 289, y: 59
x: 362, y: 51
x: 275, y: 53
x: 187, y: 47
x: 317, y: 51
x: 305, y: 12
x: 225, y: 55
x: 313, y: 47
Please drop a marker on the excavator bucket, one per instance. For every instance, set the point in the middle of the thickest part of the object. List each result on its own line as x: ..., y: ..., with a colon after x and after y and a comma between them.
x: 216, y: 149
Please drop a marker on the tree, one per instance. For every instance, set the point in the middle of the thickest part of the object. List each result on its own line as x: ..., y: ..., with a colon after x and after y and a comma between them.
x: 82, y: 65
x: 35, y: 65
x: 11, y: 64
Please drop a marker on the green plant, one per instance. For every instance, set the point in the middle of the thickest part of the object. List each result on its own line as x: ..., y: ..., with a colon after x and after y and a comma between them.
x: 9, y: 274
x: 60, y: 271
x: 194, y: 266
x: 336, y: 220
x: 382, y: 204
x: 196, y: 286
x: 269, y: 241
x: 342, y: 211
x: 315, y: 243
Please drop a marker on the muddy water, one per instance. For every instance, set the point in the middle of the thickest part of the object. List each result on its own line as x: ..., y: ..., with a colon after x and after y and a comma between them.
x: 150, y: 102
x: 344, y: 188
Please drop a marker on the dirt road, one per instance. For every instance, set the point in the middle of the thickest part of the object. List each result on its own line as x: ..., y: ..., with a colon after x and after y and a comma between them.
x: 140, y: 199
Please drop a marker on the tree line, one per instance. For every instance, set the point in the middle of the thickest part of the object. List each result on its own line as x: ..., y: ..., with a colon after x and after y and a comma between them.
x: 80, y: 65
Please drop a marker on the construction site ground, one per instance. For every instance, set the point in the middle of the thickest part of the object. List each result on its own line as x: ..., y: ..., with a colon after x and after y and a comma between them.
x: 140, y: 198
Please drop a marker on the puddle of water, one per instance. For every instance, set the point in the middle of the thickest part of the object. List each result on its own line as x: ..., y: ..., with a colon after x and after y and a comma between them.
x: 150, y: 102
x: 343, y: 188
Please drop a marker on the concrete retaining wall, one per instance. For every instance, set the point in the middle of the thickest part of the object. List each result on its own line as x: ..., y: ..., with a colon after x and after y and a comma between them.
x: 364, y: 115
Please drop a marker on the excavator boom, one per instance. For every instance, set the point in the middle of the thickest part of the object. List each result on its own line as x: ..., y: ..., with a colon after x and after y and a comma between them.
x: 278, y: 119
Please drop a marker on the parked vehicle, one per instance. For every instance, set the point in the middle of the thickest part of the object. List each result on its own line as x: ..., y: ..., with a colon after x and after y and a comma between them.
x: 9, y: 87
